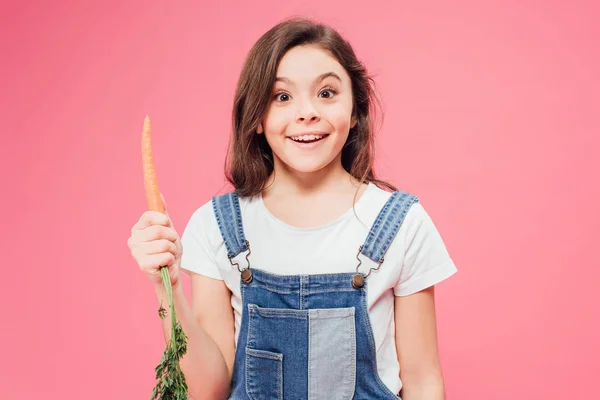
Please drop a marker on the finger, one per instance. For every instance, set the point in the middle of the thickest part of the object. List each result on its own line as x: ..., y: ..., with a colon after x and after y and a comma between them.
x: 157, y: 232
x: 150, y: 218
x: 166, y: 210
x: 159, y: 247
x: 163, y: 201
x: 156, y: 261
x: 164, y: 204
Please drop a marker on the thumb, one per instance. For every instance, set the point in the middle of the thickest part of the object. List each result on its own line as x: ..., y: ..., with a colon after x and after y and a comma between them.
x: 164, y: 204
x: 166, y: 211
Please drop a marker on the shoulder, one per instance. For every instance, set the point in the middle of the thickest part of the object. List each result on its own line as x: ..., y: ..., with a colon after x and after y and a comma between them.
x: 400, y: 201
x: 409, y: 206
x: 205, y: 216
x: 202, y: 224
x: 229, y: 204
x: 379, y: 195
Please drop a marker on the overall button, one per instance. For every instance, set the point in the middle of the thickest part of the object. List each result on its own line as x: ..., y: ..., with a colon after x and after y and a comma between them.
x: 247, y: 275
x: 358, y: 281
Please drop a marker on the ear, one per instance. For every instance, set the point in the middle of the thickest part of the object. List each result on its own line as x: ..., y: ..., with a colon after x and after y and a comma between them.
x: 353, y: 121
x: 259, y: 128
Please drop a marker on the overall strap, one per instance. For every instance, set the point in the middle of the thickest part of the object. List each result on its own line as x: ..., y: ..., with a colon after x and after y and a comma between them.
x: 229, y: 218
x: 386, y: 225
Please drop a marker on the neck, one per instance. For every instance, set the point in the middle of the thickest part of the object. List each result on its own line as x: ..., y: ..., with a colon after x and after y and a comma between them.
x: 332, y: 178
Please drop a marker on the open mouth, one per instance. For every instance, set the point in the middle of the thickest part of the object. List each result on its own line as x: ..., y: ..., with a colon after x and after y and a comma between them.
x: 307, y: 138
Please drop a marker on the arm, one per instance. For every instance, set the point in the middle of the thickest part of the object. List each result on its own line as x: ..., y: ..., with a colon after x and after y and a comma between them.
x: 416, y: 345
x: 209, y: 327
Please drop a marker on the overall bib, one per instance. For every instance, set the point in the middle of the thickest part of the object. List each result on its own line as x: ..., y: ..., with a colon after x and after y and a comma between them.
x: 307, y: 336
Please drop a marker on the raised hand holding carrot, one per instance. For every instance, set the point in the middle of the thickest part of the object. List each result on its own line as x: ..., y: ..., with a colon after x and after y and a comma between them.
x: 156, y: 246
x: 154, y: 243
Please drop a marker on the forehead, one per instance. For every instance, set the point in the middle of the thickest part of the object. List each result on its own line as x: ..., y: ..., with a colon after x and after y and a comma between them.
x: 307, y: 62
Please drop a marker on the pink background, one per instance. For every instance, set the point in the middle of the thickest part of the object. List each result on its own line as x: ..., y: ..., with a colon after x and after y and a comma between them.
x: 491, y: 118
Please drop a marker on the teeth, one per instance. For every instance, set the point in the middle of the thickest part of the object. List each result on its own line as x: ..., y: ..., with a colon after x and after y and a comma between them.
x: 304, y: 138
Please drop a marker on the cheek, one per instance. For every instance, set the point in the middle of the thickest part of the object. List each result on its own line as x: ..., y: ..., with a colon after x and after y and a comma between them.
x: 277, y: 119
x: 341, y: 118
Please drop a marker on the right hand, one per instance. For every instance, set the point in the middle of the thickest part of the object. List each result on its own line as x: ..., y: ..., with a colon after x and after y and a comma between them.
x: 154, y: 243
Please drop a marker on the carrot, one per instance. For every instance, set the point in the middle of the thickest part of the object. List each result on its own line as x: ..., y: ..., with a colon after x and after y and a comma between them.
x: 150, y: 180
x: 171, y: 382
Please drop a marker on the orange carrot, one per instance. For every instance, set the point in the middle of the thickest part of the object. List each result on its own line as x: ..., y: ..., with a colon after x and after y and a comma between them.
x: 153, y: 198
x: 170, y: 381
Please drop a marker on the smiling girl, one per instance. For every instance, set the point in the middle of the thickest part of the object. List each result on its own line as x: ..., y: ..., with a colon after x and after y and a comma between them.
x: 312, y: 279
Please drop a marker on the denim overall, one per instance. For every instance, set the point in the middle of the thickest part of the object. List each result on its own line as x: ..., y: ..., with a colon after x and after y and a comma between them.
x: 307, y: 336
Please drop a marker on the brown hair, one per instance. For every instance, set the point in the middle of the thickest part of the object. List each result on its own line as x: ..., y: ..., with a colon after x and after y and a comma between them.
x: 249, y: 161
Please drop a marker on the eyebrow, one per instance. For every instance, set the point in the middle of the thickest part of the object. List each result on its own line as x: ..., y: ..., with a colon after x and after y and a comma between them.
x: 320, y: 78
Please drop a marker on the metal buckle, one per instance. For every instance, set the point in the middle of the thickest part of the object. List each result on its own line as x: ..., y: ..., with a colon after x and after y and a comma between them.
x: 358, y: 280
x: 246, y: 274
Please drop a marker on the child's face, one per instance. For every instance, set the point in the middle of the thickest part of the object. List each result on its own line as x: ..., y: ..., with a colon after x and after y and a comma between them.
x: 310, y: 113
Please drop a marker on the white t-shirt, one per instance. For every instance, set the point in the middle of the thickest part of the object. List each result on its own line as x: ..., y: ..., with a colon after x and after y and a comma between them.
x: 416, y: 259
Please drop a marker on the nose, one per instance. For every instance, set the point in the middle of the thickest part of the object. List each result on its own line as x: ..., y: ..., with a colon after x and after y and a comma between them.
x: 307, y: 112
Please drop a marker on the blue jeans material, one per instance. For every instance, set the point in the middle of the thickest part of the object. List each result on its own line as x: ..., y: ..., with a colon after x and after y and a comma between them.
x: 308, y: 336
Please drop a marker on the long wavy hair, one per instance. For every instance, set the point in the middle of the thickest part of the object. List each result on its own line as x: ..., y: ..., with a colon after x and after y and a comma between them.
x: 249, y: 161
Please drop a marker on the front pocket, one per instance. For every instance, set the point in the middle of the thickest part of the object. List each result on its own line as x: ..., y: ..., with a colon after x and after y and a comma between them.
x: 331, y: 354
x: 319, y: 347
x: 264, y: 375
x: 276, y: 352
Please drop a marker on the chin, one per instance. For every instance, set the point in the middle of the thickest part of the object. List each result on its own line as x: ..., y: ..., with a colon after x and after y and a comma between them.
x: 307, y: 167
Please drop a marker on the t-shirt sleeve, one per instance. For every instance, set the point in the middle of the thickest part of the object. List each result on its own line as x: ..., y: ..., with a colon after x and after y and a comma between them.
x: 426, y: 259
x: 198, y: 241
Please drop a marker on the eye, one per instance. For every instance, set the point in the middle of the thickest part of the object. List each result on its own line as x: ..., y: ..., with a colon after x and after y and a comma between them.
x: 281, y: 97
x: 327, y: 93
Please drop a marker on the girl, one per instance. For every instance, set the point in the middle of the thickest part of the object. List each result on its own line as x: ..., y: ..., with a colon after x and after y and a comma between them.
x: 309, y: 281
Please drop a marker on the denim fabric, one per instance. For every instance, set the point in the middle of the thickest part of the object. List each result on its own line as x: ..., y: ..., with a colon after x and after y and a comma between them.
x: 307, y: 336
x: 386, y: 225
x: 229, y: 218
x: 331, y: 328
